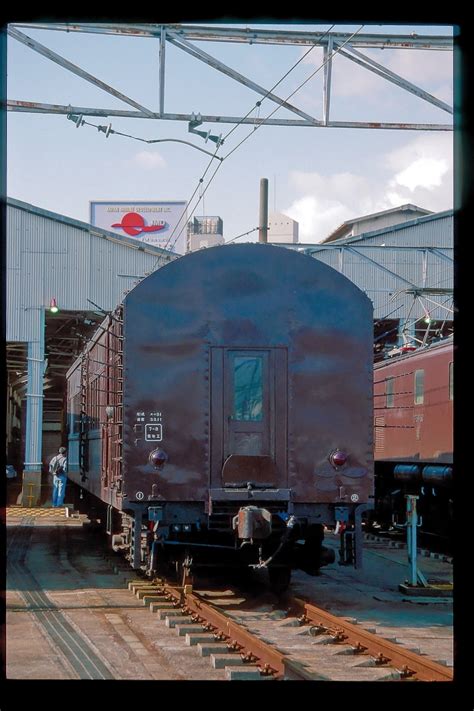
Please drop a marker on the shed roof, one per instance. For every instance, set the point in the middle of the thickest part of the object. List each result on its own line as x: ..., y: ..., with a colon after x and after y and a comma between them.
x: 338, y: 233
x: 391, y: 228
x: 92, y: 229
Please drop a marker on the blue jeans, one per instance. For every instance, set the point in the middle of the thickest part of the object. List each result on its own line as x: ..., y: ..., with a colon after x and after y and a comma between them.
x: 59, y: 489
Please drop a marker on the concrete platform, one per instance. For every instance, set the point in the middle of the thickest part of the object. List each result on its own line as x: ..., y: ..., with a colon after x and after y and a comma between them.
x: 427, y: 592
x: 44, y: 516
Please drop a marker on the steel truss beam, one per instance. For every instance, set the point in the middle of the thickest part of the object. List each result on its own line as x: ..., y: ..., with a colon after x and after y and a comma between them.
x: 180, y: 35
x: 413, y: 289
x: 252, y: 35
x: 34, y: 107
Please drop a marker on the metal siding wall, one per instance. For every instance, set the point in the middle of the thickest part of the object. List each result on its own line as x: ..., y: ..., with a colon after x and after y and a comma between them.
x: 379, y: 223
x: 108, y: 259
x: 23, y: 280
x: 408, y: 264
x: 329, y: 257
x: 47, y: 258
x: 432, y: 233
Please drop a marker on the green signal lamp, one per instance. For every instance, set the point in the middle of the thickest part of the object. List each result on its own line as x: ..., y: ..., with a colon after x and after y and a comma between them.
x: 53, y: 307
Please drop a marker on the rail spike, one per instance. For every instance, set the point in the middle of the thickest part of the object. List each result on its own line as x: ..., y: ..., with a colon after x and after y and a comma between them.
x: 359, y: 648
x: 248, y: 657
x: 405, y: 672
x: 316, y: 630
x: 267, y: 670
x: 339, y: 636
x: 380, y: 659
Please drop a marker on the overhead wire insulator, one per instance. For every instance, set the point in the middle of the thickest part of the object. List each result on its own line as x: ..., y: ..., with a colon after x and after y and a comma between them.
x: 105, y: 129
x: 77, y: 118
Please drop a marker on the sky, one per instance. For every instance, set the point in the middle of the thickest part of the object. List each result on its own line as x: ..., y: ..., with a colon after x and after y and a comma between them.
x: 320, y: 177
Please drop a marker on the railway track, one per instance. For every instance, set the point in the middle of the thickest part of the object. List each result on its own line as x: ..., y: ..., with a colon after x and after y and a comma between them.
x: 70, y: 616
x: 301, y: 642
x: 243, y: 635
x: 80, y: 655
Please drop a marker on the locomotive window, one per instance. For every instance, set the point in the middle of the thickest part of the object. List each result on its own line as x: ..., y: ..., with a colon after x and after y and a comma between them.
x: 248, y: 388
x: 390, y: 398
x: 419, y: 387
x: 451, y: 373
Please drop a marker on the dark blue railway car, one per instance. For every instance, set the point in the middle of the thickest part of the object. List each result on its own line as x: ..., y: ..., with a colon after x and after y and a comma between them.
x: 226, y: 407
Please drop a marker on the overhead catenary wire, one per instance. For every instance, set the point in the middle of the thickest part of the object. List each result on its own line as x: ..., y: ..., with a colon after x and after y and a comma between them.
x: 321, y: 66
x: 109, y: 130
x: 415, y: 321
x: 263, y: 121
x: 254, y: 229
x: 398, y: 294
x: 258, y: 103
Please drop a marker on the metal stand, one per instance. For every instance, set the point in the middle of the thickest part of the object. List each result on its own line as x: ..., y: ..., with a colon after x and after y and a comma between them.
x: 352, y: 540
x: 416, y: 576
x: 136, y: 540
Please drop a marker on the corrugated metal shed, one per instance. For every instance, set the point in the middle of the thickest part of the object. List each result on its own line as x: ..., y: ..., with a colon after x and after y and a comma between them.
x: 376, y: 221
x: 49, y: 255
x: 435, y: 230
x: 82, y: 267
x: 391, y: 263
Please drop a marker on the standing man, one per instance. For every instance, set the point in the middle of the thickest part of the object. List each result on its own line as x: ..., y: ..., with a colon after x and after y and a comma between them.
x: 58, y: 468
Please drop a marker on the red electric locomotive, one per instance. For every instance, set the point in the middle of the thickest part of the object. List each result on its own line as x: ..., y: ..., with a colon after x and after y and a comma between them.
x: 413, y: 435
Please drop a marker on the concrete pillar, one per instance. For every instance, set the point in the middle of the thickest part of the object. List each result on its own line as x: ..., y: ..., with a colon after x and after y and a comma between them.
x: 31, y: 490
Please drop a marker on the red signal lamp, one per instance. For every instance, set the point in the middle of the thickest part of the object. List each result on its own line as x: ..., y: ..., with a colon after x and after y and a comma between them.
x: 338, y: 458
x: 158, y: 458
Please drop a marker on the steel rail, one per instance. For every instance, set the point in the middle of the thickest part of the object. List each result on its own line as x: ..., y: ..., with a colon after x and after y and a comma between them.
x: 407, y: 662
x: 273, y: 662
x: 269, y: 660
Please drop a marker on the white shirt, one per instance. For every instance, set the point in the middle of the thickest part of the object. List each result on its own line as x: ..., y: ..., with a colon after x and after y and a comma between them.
x: 62, y: 461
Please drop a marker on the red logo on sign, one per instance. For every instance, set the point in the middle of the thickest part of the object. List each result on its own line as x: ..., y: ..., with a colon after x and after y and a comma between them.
x: 134, y: 224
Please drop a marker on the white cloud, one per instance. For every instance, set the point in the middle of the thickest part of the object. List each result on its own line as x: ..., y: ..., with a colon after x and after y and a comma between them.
x: 327, y: 201
x: 149, y: 161
x: 395, y: 199
x: 437, y: 145
x: 420, y: 173
x: 317, y: 218
x: 424, y: 173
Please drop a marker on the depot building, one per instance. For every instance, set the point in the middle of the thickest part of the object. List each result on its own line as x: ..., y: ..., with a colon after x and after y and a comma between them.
x: 62, y: 276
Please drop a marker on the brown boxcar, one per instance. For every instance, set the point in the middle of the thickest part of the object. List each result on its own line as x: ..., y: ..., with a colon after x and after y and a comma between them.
x: 413, y: 425
x: 228, y: 405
